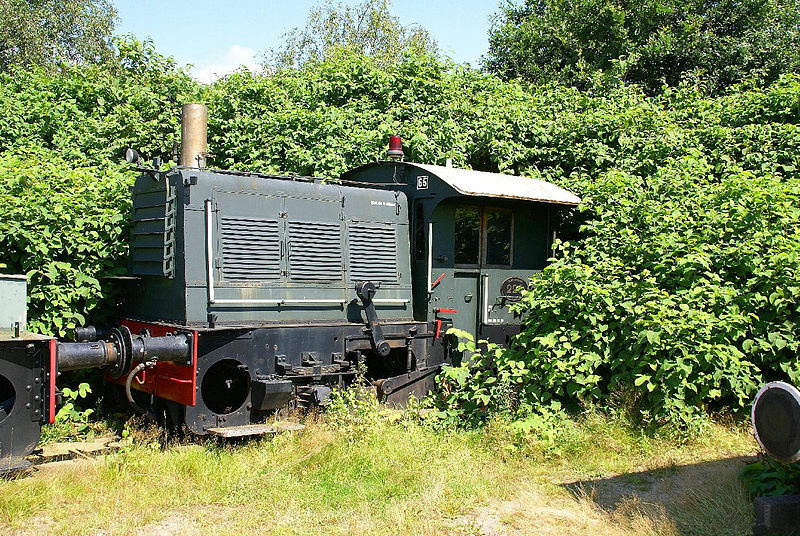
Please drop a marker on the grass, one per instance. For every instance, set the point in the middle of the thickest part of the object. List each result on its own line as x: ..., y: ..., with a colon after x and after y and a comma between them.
x: 374, y: 476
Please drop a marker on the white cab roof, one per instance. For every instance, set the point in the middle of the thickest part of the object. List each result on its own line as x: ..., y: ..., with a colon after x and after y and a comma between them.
x: 481, y: 183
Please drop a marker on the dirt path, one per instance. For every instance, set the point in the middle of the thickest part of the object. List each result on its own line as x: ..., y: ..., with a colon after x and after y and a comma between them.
x: 703, y: 498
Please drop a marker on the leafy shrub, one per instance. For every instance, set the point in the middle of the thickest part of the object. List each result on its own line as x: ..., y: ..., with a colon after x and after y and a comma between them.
x: 769, y: 477
x: 487, y: 380
x: 66, y: 227
x: 90, y: 115
x: 338, y: 114
x: 71, y: 422
x: 650, y: 43
x: 353, y: 407
x: 673, y: 288
x: 63, y: 199
x: 683, y: 290
x: 675, y: 297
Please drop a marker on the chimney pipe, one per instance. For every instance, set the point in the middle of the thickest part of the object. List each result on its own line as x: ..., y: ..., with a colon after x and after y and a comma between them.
x: 194, y: 135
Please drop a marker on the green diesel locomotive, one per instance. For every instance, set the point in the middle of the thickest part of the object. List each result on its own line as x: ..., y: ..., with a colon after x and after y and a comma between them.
x: 249, y: 293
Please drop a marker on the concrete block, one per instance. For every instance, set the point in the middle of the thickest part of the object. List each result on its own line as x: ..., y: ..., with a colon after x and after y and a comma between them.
x: 778, y: 516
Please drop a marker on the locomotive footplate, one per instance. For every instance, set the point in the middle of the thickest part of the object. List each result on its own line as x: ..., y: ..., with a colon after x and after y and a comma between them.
x: 249, y: 430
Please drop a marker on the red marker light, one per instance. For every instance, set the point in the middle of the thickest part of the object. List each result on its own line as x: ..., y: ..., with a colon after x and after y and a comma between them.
x: 395, y: 151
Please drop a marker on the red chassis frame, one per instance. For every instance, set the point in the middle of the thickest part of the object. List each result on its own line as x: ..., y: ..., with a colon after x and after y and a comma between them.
x: 171, y: 381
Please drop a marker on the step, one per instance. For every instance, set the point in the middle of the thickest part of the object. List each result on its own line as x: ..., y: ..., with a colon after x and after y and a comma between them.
x: 255, y: 429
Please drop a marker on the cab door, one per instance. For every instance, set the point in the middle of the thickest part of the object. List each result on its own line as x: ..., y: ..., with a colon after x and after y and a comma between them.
x: 479, y: 252
x: 466, y: 299
x: 467, y: 270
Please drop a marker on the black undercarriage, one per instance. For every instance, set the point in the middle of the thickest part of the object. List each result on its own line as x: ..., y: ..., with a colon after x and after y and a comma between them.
x: 245, y: 374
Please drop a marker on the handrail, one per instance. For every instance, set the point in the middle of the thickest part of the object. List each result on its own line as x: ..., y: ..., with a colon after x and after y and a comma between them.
x: 430, y: 256
x: 485, y: 300
x: 279, y: 302
x: 209, y: 252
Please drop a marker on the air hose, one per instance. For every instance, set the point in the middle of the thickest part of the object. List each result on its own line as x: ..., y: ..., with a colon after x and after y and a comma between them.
x: 136, y: 370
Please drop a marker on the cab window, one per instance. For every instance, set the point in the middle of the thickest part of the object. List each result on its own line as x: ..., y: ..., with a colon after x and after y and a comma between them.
x: 498, y: 237
x: 483, y: 236
x: 467, y: 235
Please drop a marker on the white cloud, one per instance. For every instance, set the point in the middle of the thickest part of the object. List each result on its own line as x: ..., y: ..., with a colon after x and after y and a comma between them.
x: 230, y: 61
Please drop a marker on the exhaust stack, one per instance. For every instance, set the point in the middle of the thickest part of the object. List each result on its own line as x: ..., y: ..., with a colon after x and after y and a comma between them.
x: 194, y: 135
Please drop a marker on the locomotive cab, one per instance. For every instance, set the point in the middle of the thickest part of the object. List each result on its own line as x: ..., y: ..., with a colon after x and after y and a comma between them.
x: 477, y: 238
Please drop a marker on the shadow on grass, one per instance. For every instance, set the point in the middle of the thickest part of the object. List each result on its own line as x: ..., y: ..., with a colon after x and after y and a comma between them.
x: 699, y: 499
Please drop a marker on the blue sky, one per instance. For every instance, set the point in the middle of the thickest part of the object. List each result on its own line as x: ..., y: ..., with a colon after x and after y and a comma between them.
x: 216, y: 37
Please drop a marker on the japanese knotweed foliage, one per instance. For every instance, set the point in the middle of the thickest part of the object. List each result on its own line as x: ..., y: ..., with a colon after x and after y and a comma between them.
x: 682, y: 296
x: 331, y: 116
x: 65, y: 227
x: 676, y: 282
x: 64, y: 202
x: 89, y: 115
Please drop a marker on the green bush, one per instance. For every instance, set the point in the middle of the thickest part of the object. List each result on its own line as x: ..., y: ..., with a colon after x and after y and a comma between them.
x: 338, y: 114
x: 682, y: 295
x: 768, y: 477
x: 486, y: 383
x: 71, y: 422
x: 65, y: 227
x: 673, y: 288
x: 64, y: 201
x: 650, y: 43
x: 90, y: 115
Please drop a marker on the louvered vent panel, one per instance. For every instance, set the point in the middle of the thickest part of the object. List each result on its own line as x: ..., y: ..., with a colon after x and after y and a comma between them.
x: 251, y: 249
x: 153, y: 247
x: 315, y: 251
x: 373, y: 253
